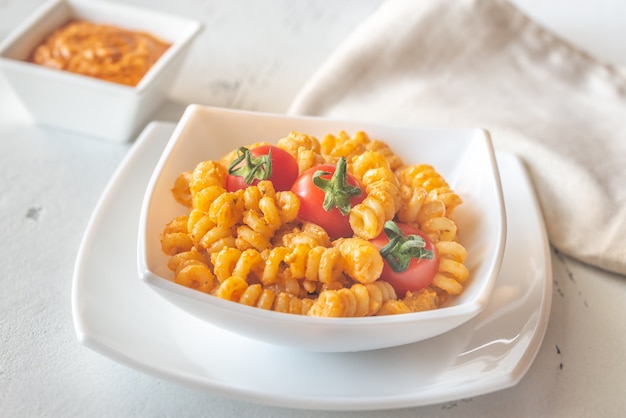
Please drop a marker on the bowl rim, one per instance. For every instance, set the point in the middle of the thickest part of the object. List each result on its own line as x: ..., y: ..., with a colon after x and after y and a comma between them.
x: 468, y: 308
x: 40, y: 14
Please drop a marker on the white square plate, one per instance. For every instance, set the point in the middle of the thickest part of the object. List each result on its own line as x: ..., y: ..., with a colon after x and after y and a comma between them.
x: 492, y: 351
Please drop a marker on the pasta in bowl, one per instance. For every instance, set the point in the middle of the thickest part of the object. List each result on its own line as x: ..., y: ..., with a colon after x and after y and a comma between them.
x: 233, y: 229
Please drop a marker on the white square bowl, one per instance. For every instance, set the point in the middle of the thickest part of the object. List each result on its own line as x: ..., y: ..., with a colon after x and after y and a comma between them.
x: 85, y: 104
x: 465, y: 157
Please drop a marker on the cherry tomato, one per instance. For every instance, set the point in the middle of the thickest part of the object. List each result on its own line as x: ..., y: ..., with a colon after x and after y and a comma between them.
x: 327, y: 192
x: 265, y: 162
x: 411, y: 266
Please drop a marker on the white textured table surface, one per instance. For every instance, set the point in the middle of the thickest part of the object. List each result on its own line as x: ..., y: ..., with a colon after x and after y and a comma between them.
x: 252, y: 55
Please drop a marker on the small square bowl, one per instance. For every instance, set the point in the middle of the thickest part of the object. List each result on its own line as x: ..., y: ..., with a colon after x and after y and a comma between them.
x: 85, y: 104
x: 465, y: 157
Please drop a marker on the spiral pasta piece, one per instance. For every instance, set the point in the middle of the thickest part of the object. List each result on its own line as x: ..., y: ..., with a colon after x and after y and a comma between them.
x: 452, y: 272
x: 191, y: 270
x: 333, y: 147
x: 182, y: 259
x: 307, y: 233
x: 207, y: 235
x: 205, y: 174
x: 265, y: 212
x: 315, y: 264
x: 246, y: 238
x: 213, y: 214
x: 175, y: 237
x: 412, y: 200
x: 428, y: 202
x: 382, y: 148
x: 231, y: 261
x: 227, y: 209
x: 231, y: 289
x: 252, y: 195
x: 269, y: 268
x: 362, y: 261
x: 274, y: 264
x: 258, y: 296
x: 440, y: 229
x: 204, y: 198
x: 383, y: 195
x: 180, y: 190
x: 394, y: 307
x: 287, y: 303
x: 426, y: 177
x: 288, y: 205
x: 358, y: 300
x: 224, y: 262
x: 304, y: 148
x: 269, y: 299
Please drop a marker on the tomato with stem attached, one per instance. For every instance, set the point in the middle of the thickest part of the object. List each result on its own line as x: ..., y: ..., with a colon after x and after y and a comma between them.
x: 410, y: 258
x: 327, y: 193
x: 265, y: 162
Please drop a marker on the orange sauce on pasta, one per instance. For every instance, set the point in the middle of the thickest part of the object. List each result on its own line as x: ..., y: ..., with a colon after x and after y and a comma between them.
x: 102, y: 51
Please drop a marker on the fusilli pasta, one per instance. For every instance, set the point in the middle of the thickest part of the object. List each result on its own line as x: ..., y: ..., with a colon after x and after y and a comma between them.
x: 383, y: 197
x: 249, y: 246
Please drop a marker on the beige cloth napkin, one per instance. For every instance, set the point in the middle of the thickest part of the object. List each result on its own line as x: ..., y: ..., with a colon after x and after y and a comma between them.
x: 482, y: 63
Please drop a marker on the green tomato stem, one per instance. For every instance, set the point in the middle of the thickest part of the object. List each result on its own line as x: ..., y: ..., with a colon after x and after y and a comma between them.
x: 337, y: 190
x: 401, y: 249
x: 254, y: 168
